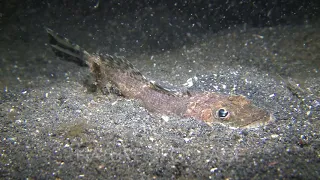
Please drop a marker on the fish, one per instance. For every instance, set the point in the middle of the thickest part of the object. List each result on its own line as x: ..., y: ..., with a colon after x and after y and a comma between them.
x: 235, y: 111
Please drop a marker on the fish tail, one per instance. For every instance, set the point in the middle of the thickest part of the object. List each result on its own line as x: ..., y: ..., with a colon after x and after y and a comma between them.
x: 66, y: 49
x: 101, y: 64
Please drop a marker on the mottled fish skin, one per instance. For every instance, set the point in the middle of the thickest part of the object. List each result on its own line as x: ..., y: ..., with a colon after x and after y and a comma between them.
x: 234, y: 111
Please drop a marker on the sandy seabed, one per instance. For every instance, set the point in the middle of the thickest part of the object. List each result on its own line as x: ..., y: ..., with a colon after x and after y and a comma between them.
x: 54, y: 126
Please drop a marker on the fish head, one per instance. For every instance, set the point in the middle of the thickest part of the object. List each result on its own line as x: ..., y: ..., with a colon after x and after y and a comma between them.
x: 234, y: 111
x: 238, y: 111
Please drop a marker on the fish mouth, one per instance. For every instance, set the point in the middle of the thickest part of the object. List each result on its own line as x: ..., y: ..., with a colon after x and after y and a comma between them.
x: 260, y: 123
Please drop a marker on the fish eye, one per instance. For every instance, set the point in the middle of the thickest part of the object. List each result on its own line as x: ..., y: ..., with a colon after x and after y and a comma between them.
x: 222, y: 113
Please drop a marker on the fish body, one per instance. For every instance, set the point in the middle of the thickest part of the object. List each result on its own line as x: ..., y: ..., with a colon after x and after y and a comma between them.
x: 211, y: 107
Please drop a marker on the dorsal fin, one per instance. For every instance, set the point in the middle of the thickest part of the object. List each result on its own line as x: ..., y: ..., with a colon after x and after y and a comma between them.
x: 119, y: 62
x: 153, y: 85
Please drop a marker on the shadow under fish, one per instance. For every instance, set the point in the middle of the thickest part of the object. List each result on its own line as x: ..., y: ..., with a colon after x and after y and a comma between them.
x: 211, y: 107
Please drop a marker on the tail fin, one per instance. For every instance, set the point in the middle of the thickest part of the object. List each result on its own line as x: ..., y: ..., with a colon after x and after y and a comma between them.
x: 63, y: 47
x: 66, y: 49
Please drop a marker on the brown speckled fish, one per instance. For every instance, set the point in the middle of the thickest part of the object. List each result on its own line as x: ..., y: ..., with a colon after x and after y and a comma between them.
x: 211, y: 107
